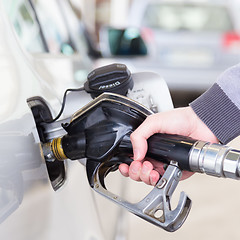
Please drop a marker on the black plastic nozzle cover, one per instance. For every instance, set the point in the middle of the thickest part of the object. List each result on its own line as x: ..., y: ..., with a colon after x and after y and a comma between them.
x: 161, y: 147
x: 104, y: 131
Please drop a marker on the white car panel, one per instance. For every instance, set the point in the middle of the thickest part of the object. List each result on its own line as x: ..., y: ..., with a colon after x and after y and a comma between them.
x: 29, y: 208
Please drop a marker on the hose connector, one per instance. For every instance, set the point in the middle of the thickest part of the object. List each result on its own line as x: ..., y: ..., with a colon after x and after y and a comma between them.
x: 215, y: 160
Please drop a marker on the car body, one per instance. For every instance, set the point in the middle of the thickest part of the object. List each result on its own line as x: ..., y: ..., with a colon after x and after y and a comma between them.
x: 190, y: 43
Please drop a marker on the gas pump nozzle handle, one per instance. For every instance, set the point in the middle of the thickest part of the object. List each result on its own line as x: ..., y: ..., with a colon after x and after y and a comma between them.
x: 192, y: 155
x: 165, y: 148
x: 161, y: 147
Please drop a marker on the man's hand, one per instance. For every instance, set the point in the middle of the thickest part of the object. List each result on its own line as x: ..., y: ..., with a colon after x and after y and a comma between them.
x: 180, y: 121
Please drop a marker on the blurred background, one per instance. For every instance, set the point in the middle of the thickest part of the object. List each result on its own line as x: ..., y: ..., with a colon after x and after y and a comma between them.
x: 189, y: 43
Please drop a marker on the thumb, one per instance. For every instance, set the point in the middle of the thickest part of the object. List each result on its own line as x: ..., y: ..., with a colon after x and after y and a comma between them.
x: 139, y: 139
x: 139, y: 144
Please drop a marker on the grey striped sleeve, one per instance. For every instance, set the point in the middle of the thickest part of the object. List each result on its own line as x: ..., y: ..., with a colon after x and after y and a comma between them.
x: 229, y: 82
x: 219, y: 107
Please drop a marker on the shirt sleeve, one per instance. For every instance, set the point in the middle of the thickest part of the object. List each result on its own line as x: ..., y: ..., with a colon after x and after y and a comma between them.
x: 219, y: 106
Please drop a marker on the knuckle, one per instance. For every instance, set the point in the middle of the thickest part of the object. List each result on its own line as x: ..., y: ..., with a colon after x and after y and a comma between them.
x: 150, y: 117
x: 133, y: 136
x: 145, y: 179
x: 135, y: 177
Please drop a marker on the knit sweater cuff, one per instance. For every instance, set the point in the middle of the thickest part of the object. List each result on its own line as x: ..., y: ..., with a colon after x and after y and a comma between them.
x: 219, y: 113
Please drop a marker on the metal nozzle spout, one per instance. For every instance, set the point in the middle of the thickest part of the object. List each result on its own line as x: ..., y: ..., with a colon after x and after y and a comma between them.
x: 53, y: 150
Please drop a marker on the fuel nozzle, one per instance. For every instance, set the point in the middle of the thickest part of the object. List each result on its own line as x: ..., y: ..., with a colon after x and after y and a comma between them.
x: 102, y: 129
x: 100, y: 132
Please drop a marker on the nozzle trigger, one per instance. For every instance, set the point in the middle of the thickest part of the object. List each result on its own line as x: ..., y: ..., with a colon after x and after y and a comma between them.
x: 157, y: 201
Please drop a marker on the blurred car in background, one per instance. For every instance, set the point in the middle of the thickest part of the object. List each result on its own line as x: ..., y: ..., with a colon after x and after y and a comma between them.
x: 63, y: 29
x: 66, y: 32
x: 63, y: 32
x: 189, y: 42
